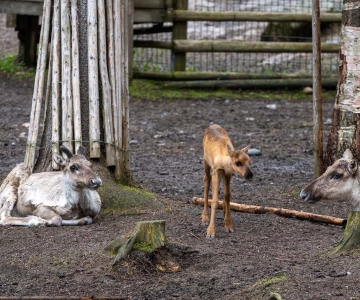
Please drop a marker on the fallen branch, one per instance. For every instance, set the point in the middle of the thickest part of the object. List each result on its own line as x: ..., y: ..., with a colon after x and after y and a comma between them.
x: 288, y: 213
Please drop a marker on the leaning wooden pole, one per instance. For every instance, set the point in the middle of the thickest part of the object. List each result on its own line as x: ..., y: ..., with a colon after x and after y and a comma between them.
x: 254, y: 209
x: 75, y: 74
x: 106, y: 88
x: 317, y: 90
x: 94, y: 106
x: 66, y: 95
x: 39, y: 87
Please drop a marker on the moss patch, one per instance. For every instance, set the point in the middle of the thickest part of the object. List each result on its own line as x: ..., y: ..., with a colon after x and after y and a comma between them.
x: 281, y: 276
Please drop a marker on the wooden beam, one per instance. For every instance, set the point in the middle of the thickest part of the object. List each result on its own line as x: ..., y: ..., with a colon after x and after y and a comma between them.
x: 151, y: 15
x: 223, y: 16
x: 178, y: 60
x: 259, y: 47
x: 30, y: 8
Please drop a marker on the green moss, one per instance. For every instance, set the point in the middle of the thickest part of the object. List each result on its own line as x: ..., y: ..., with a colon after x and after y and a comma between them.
x: 146, y: 247
x: 10, y: 67
x: 153, y: 90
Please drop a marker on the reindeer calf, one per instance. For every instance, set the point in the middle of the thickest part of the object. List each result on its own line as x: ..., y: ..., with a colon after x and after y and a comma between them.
x: 51, y: 198
x: 220, y: 156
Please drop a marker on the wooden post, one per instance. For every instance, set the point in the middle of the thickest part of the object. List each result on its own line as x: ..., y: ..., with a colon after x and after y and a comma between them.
x: 94, y: 114
x: 317, y: 90
x: 75, y: 75
x: 130, y: 16
x: 66, y: 96
x: 178, y: 60
x: 38, y: 88
x: 125, y: 174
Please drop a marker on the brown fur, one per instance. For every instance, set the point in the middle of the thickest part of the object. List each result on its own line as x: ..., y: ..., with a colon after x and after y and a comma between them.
x: 220, y: 156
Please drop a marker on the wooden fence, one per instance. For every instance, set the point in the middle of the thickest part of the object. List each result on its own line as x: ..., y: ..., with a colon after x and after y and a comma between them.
x: 175, y: 11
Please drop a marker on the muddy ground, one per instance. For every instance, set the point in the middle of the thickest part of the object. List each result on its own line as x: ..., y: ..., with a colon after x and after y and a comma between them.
x: 265, y: 254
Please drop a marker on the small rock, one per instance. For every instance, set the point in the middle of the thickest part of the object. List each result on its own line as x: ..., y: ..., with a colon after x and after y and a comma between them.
x: 61, y: 275
x: 22, y: 135
x: 271, y: 106
x: 157, y: 136
x: 164, y: 172
x: 254, y: 152
x: 249, y: 119
x: 227, y: 101
x: 26, y: 125
x: 133, y: 142
x: 308, y: 90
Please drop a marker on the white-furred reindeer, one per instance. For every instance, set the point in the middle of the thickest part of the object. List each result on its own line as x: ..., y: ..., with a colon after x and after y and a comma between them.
x: 51, y: 198
x: 341, y: 181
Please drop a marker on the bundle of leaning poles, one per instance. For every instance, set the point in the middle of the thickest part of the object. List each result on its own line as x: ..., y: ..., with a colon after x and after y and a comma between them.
x: 107, y: 40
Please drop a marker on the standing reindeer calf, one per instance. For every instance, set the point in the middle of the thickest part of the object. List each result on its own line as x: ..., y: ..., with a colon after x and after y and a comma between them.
x: 51, y: 198
x: 220, y: 156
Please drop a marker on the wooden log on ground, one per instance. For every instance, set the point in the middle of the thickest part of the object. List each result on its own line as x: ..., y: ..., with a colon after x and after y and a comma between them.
x: 146, y: 236
x: 55, y: 85
x: 94, y: 106
x: 75, y: 75
x: 288, y: 213
x: 249, y: 83
x: 106, y: 89
x: 38, y: 87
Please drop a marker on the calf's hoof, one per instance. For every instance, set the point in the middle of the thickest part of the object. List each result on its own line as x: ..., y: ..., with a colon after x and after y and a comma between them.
x: 86, y: 221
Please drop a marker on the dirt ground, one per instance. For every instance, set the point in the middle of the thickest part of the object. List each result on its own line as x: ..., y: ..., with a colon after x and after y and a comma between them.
x: 265, y: 254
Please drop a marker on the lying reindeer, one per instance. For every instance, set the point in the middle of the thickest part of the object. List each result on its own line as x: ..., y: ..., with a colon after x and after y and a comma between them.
x: 339, y: 182
x: 220, y: 156
x: 51, y: 198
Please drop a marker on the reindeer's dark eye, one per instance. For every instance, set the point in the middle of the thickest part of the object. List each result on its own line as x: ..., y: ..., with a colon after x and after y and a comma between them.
x: 336, y: 175
x: 238, y: 163
x: 73, y: 168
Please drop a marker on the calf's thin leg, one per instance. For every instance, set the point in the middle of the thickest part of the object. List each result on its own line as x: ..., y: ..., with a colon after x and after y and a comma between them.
x: 205, y: 214
x: 227, y: 216
x: 48, y: 214
x: 215, y: 202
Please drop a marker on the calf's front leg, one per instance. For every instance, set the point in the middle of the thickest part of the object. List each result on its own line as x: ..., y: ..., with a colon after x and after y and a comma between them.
x: 214, y: 204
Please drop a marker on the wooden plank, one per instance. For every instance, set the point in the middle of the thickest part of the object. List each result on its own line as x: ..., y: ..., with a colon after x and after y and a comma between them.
x: 33, y: 8
x: 150, y: 16
x: 223, y: 16
x: 259, y: 47
x: 149, y: 4
x: 178, y: 60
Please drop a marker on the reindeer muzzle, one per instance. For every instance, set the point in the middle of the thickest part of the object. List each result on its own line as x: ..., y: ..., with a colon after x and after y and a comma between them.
x: 307, y: 197
x: 94, y: 183
x: 248, y: 174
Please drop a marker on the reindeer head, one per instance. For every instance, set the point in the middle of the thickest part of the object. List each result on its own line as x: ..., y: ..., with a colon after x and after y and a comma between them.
x: 339, y: 182
x: 240, y: 162
x: 77, y: 169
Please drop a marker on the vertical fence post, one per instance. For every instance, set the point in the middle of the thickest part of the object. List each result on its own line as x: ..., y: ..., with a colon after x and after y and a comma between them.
x: 178, y: 60
x: 317, y: 90
x: 130, y: 15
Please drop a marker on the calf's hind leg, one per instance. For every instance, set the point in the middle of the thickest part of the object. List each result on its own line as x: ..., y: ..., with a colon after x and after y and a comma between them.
x: 48, y: 214
x: 207, y: 178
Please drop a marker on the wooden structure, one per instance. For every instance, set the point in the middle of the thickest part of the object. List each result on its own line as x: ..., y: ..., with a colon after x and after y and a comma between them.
x: 175, y: 11
x: 60, y: 25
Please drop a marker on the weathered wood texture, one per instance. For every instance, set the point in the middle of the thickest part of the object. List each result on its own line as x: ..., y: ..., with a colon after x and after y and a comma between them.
x: 288, y: 213
x: 94, y: 106
x: 250, y: 83
x: 185, y: 15
x: 178, y: 60
x: 317, y: 90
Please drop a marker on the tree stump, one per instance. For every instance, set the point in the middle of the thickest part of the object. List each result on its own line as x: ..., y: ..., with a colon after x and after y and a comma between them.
x: 351, y: 236
x: 146, y: 236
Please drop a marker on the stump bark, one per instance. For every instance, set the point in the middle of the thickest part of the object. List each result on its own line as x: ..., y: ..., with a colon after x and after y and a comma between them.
x: 351, y: 236
x: 146, y: 236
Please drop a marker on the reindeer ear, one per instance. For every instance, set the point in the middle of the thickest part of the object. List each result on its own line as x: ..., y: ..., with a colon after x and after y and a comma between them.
x: 59, y: 160
x: 347, y: 154
x: 246, y: 149
x: 352, y: 167
x: 81, y: 150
